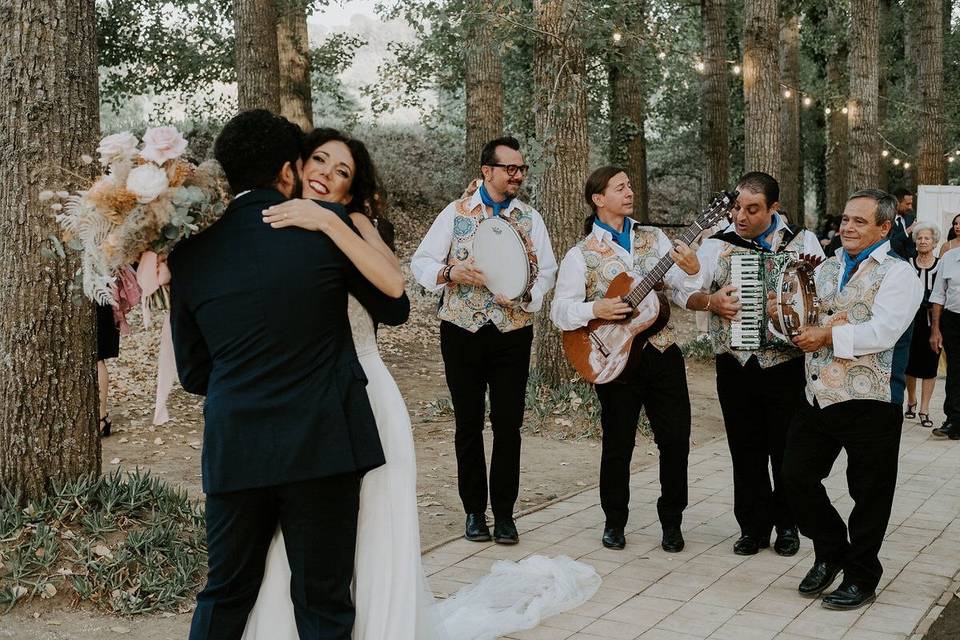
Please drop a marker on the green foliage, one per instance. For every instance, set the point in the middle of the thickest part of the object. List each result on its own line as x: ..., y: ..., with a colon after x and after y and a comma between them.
x: 700, y: 348
x: 127, y: 544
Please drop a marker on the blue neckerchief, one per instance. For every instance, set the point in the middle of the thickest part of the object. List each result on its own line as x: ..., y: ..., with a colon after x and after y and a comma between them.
x: 490, y: 202
x: 762, y: 238
x: 849, y: 264
x: 621, y: 237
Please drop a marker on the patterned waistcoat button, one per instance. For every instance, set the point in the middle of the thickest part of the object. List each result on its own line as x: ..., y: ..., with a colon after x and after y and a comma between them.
x: 816, y: 354
x: 813, y: 377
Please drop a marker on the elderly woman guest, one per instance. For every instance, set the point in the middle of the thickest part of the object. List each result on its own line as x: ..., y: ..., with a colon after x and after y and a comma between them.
x: 923, y: 359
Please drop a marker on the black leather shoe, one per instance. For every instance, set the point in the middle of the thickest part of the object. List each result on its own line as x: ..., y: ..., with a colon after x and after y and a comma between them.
x: 847, y: 597
x: 477, y: 529
x: 505, y: 532
x: 672, y: 541
x: 613, y: 538
x: 820, y: 576
x: 788, y: 541
x: 947, y: 430
x: 749, y: 545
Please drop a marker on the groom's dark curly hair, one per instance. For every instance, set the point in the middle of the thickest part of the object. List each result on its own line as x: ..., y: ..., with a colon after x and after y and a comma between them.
x: 253, y: 147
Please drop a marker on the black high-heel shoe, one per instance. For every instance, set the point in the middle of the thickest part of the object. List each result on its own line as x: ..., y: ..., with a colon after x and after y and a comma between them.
x: 911, y: 411
x: 925, y: 420
x: 105, y: 426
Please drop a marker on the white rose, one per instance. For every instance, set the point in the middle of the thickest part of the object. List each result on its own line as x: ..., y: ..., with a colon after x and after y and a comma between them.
x: 147, y: 182
x: 161, y: 144
x: 119, y: 146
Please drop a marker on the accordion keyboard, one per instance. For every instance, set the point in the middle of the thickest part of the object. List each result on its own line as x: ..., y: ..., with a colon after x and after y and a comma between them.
x: 749, y: 326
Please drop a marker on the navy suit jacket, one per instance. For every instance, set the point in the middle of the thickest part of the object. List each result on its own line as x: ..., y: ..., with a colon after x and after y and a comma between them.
x: 900, y: 242
x: 260, y: 327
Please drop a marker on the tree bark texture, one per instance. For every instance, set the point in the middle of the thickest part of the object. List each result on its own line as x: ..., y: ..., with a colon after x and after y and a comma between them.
x: 484, y: 86
x: 931, y: 163
x: 293, y: 47
x: 50, y: 116
x: 628, y: 112
x: 761, y: 86
x: 561, y: 124
x: 837, y: 154
x: 883, y: 89
x: 715, y: 99
x: 791, y: 164
x: 863, y: 62
x: 257, y: 56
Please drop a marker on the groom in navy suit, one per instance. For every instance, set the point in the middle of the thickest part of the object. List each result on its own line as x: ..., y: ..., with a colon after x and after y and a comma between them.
x: 260, y: 327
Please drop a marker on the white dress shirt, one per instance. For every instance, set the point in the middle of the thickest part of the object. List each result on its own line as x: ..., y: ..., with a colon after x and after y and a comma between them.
x: 946, y: 288
x: 569, y: 310
x: 431, y: 256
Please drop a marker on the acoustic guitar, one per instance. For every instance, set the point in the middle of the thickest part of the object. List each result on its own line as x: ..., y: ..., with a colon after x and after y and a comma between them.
x: 600, y: 351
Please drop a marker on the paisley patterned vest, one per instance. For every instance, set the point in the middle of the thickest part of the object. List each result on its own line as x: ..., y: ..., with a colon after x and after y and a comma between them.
x: 604, y: 264
x: 720, y: 327
x: 471, y: 307
x: 877, y: 376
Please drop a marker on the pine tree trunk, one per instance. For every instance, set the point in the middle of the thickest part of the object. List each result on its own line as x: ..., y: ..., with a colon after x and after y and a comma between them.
x: 883, y: 89
x: 791, y: 191
x: 837, y: 153
x: 257, y: 56
x: 484, y: 86
x: 761, y: 86
x: 561, y: 123
x: 863, y: 62
x: 628, y: 112
x: 931, y: 163
x: 293, y: 46
x: 715, y: 99
x: 49, y: 97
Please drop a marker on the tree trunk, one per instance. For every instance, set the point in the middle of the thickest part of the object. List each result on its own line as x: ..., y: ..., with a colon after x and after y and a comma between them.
x: 883, y: 90
x: 931, y: 163
x: 484, y: 86
x: 628, y: 111
x: 761, y: 87
x: 561, y: 123
x: 715, y: 99
x: 257, y: 57
x: 49, y: 96
x: 863, y: 62
x: 837, y: 154
x: 293, y: 46
x: 791, y: 190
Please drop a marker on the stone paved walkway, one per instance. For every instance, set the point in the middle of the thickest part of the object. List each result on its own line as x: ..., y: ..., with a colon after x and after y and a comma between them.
x: 708, y: 592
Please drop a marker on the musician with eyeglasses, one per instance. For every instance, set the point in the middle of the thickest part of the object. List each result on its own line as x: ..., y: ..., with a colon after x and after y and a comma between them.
x: 759, y: 383
x: 654, y: 378
x: 485, y: 338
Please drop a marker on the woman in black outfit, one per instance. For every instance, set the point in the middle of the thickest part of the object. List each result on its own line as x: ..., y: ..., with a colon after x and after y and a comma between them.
x: 923, y: 361
x: 108, y: 346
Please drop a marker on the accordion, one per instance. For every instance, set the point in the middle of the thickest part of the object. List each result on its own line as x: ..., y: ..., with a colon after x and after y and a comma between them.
x: 756, y: 274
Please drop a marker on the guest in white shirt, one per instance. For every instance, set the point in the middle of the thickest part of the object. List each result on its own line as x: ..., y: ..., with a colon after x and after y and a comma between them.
x: 485, y: 339
x: 945, y: 334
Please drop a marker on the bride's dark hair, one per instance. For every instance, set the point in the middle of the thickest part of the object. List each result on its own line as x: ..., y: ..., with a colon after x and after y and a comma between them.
x: 365, y: 189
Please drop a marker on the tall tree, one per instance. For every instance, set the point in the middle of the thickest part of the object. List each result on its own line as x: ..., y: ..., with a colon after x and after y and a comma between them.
x: 257, y: 56
x: 561, y: 123
x: 293, y: 48
x: 628, y: 107
x: 49, y: 117
x: 863, y: 62
x: 931, y: 163
x: 714, y: 96
x: 761, y: 86
x: 483, y: 84
x: 791, y: 164
x: 837, y: 154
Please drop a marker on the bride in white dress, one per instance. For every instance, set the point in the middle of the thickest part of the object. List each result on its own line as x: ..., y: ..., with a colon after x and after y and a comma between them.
x: 391, y: 596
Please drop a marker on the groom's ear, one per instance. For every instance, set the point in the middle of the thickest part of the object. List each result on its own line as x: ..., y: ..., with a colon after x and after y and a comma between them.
x: 287, y: 179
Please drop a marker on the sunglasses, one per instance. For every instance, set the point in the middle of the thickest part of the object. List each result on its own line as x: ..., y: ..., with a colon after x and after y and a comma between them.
x: 512, y: 169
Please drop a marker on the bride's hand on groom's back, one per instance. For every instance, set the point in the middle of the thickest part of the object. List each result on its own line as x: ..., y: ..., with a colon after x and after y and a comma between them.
x: 305, y: 214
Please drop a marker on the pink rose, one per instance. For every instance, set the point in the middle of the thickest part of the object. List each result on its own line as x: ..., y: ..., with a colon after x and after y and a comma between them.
x: 117, y: 148
x: 161, y: 144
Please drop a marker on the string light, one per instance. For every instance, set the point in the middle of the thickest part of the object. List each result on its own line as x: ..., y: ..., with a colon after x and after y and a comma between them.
x: 736, y: 69
x: 807, y: 101
x: 617, y: 36
x: 951, y: 159
x: 828, y: 111
x: 906, y: 165
x: 884, y: 153
x: 896, y: 161
x: 844, y: 111
x: 699, y: 66
x: 787, y: 94
x: 662, y: 55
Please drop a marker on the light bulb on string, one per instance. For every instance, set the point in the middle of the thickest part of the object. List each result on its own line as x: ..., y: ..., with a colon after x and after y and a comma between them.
x: 828, y: 111
x: 906, y: 165
x: 736, y: 69
x: 896, y: 161
x: 699, y: 66
x: 951, y: 159
x: 807, y: 101
x: 787, y: 94
x: 844, y: 111
x: 662, y: 55
x: 884, y: 153
x: 957, y: 152
x: 617, y: 36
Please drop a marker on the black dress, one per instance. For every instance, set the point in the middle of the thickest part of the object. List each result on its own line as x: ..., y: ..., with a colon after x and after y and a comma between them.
x: 923, y: 360
x: 108, y: 335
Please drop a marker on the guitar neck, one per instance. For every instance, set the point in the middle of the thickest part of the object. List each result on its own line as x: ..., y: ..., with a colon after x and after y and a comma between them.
x: 655, y: 275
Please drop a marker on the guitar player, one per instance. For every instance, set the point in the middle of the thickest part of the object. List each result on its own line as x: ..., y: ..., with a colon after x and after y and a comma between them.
x: 655, y: 378
x: 759, y: 389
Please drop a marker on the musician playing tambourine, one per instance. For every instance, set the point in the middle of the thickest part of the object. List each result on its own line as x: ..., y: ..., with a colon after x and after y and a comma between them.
x: 486, y: 337
x: 759, y: 380
x: 655, y: 379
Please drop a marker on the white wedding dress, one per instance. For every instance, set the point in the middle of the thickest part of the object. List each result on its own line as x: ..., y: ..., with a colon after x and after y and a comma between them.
x: 392, y: 598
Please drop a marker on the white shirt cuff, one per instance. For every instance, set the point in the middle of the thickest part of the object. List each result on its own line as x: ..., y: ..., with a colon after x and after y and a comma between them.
x: 843, y: 341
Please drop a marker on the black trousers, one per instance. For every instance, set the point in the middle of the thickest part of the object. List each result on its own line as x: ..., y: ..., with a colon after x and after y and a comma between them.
x: 475, y: 362
x: 950, y: 329
x: 657, y: 382
x: 319, y: 523
x: 758, y: 405
x: 869, y: 432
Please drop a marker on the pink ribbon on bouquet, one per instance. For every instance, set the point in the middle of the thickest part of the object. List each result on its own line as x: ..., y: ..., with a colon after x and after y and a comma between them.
x: 153, y: 273
x: 126, y: 292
